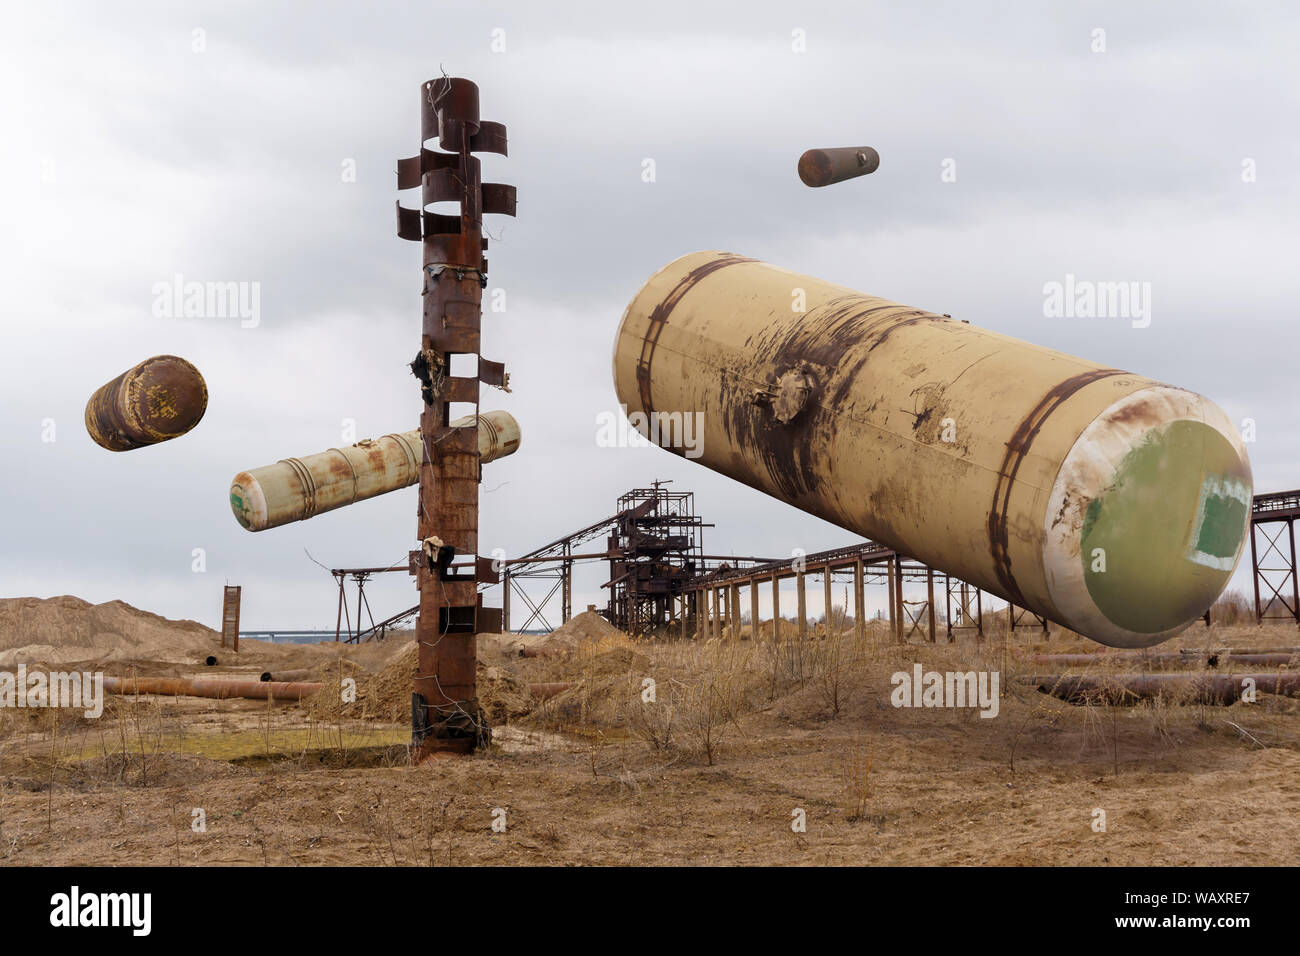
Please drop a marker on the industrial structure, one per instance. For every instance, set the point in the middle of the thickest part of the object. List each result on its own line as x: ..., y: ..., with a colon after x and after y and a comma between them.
x: 661, y: 580
x: 1272, y: 556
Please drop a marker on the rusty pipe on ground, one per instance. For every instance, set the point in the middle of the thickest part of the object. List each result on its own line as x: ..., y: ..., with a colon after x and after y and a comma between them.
x: 1223, y: 689
x: 215, y: 689
x: 1210, y: 659
x: 295, y: 489
x: 823, y: 167
x: 292, y: 674
x: 160, y: 399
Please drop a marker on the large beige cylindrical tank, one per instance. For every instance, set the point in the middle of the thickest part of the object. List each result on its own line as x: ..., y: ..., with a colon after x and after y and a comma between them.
x: 1110, y: 503
x: 295, y: 489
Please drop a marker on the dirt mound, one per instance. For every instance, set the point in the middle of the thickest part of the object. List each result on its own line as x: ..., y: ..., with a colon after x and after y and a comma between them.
x: 386, y: 695
x: 606, y: 678
x: 582, y: 630
x: 67, y: 628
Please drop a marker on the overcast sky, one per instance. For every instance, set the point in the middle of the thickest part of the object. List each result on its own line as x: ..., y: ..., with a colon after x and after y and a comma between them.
x: 136, y: 149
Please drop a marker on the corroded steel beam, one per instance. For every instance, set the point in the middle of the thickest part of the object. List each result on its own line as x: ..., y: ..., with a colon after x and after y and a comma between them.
x: 160, y: 399
x: 296, y: 489
x: 1109, y: 503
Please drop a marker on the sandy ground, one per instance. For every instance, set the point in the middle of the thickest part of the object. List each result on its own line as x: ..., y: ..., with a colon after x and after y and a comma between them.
x: 597, y: 776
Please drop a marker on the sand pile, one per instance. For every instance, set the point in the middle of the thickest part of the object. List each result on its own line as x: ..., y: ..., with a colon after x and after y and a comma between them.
x: 386, y: 695
x: 580, y: 631
x: 67, y: 629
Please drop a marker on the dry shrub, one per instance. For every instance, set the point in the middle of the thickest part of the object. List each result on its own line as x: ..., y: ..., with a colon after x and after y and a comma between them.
x: 855, y: 780
x: 836, y: 660
x: 716, y: 697
x: 386, y: 695
x: 608, y: 675
x: 1233, y: 607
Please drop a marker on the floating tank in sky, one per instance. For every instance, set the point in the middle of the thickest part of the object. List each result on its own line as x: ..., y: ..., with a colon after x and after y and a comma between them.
x: 296, y: 489
x: 160, y: 399
x: 1109, y: 503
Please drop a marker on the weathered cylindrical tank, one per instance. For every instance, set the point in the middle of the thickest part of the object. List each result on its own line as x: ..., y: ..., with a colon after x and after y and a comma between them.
x: 295, y: 489
x: 1110, y: 503
x: 161, y: 398
x: 824, y: 167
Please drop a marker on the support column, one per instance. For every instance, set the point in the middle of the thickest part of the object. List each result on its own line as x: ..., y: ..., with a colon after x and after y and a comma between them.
x: 733, y: 602
x: 826, y: 593
x: 1254, y: 576
x: 776, y: 608
x: 445, y: 713
x: 505, y: 601
x: 803, y: 607
x: 753, y: 609
x: 898, y: 598
x: 929, y: 587
x: 859, y: 603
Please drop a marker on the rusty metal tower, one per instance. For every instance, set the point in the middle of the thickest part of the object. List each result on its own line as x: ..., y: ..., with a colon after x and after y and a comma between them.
x: 445, y: 714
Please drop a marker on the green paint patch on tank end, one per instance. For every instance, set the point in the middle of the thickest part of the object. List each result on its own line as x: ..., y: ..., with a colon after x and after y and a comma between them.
x: 1159, y: 543
x: 237, y: 506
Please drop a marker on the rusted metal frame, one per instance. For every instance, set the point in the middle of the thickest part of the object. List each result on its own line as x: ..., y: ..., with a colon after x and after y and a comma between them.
x: 1261, y: 573
x: 1016, y: 614
x: 381, y: 629
x: 913, y: 622
x: 1277, y: 504
x: 537, y: 608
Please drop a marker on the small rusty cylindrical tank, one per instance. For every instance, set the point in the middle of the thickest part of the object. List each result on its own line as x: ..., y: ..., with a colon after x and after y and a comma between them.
x: 824, y: 167
x: 296, y: 489
x: 1111, y: 504
x: 160, y: 399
